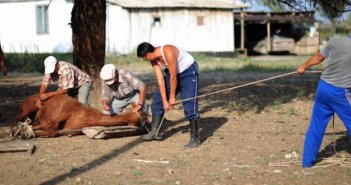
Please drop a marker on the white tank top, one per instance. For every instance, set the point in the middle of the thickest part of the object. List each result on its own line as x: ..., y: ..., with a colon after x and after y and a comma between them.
x: 184, y: 60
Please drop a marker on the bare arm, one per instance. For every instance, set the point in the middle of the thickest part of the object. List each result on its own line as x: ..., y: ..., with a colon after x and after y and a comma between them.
x: 105, y: 96
x: 142, y: 94
x: 171, y: 54
x: 314, y: 60
x: 161, y: 85
x: 45, y: 95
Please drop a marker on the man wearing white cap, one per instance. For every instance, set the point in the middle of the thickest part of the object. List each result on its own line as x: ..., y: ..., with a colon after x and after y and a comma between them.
x: 69, y: 78
x: 120, y: 88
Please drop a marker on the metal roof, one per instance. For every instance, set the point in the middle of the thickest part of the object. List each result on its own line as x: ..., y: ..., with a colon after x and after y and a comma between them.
x: 307, y: 16
x: 207, y: 4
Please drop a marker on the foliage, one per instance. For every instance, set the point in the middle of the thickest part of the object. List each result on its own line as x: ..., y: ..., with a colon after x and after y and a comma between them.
x: 31, y: 62
x: 330, y: 9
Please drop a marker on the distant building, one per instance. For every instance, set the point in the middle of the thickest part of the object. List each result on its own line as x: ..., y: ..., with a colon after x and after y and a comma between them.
x: 272, y: 32
x: 196, y: 25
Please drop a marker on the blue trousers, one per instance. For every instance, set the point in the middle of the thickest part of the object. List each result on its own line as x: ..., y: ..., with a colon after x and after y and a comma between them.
x: 117, y: 106
x: 329, y: 100
x: 187, y: 86
x: 82, y: 92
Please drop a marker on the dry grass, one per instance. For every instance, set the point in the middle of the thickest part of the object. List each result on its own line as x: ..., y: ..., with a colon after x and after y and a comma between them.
x: 242, y: 132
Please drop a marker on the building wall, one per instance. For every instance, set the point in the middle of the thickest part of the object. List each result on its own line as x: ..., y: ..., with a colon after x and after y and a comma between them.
x: 125, y: 28
x: 117, y: 30
x: 177, y: 27
x: 308, y: 44
x: 180, y: 27
x: 18, y: 27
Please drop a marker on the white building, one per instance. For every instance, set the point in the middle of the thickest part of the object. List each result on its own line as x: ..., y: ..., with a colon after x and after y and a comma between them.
x: 195, y: 25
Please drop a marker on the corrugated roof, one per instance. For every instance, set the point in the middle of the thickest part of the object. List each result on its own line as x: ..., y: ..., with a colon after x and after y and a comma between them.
x: 216, y: 4
x: 307, y: 16
x: 213, y: 4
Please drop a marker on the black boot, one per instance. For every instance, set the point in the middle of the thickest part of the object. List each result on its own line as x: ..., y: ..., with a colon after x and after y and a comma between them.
x: 194, y: 134
x: 156, y: 120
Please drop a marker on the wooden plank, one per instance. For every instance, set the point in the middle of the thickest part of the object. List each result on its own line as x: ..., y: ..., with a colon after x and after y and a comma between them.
x: 16, y: 146
x: 113, y: 132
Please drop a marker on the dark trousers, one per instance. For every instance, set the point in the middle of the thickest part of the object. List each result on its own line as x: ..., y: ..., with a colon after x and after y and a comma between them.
x: 187, y: 86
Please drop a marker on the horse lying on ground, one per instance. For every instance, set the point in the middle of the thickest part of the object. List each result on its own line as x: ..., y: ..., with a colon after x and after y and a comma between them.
x: 61, y: 113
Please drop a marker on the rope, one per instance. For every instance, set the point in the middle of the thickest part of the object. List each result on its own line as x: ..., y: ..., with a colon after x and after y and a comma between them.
x: 87, y: 63
x: 22, y: 126
x: 325, y: 163
x: 334, y: 140
x: 244, y: 85
x: 340, y: 159
x: 235, y: 87
x: 143, y: 121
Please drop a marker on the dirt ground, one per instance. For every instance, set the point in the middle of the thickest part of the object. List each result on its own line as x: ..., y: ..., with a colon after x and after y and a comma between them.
x: 245, y: 133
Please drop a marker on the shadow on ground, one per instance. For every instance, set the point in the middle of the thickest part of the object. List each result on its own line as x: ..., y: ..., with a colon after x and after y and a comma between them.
x: 340, y: 144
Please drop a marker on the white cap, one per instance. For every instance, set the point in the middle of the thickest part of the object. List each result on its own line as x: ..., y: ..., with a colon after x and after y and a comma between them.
x: 50, y: 63
x: 108, y: 73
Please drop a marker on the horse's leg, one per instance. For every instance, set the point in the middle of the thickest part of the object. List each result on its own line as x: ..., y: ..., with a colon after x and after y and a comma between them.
x: 46, y: 133
x: 43, y: 130
x: 70, y: 132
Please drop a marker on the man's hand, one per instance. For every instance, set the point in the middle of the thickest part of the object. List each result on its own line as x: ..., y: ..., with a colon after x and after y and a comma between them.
x: 106, y: 107
x: 171, y: 102
x: 38, y: 103
x: 300, y: 70
x: 167, y: 106
x: 137, y: 108
x: 43, y: 96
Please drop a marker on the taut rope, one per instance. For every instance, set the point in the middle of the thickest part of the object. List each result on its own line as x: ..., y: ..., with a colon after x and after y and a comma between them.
x: 235, y: 87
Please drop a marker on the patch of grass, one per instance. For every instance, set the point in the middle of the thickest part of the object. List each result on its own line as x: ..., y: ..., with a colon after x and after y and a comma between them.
x: 282, y: 120
x: 277, y: 104
x: 33, y: 62
x: 138, y: 173
x: 320, y: 173
x: 346, y: 171
x: 301, y: 93
x: 218, y: 134
x: 233, y: 106
x: 292, y: 111
x: 172, y: 181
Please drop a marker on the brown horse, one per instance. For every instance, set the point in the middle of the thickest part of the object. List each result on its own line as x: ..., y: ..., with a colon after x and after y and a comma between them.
x: 3, y: 67
x: 61, y: 113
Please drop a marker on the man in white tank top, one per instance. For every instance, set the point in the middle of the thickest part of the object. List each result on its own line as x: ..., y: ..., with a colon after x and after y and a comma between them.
x: 181, y: 76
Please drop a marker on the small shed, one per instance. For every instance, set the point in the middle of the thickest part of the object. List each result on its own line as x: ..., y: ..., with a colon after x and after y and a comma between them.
x: 269, y: 32
x: 196, y: 25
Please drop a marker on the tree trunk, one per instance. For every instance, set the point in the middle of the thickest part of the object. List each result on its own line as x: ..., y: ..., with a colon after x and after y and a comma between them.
x: 88, y: 36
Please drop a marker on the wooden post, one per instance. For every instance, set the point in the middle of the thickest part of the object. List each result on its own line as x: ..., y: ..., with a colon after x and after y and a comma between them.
x: 242, y: 30
x: 269, y: 47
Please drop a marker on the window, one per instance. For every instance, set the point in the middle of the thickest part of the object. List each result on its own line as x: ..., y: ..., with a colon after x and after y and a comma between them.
x: 42, y: 19
x: 200, y: 20
x: 157, y: 21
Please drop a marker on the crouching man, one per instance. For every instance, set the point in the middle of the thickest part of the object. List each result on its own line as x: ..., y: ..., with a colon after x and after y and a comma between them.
x: 120, y: 88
